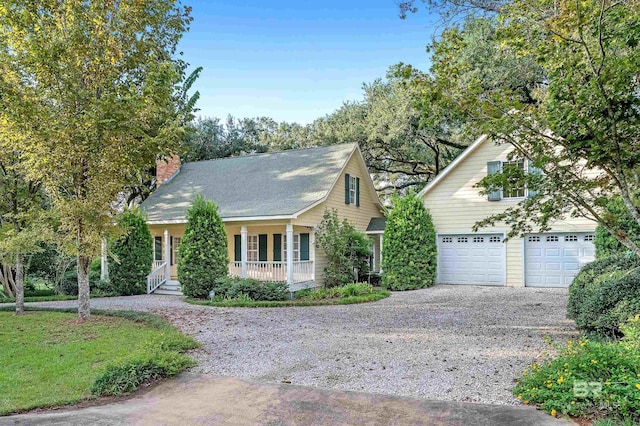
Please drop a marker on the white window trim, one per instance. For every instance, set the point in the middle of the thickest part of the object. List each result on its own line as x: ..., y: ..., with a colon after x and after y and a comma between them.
x: 176, y: 245
x: 253, y: 238
x: 296, y: 251
x: 526, y: 190
x: 353, y: 181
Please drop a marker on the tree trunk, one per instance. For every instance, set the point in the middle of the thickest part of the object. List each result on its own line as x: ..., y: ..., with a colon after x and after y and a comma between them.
x: 19, y: 284
x: 84, y: 310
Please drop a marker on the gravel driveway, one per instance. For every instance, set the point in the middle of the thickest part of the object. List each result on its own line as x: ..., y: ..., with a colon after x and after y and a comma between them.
x: 459, y: 343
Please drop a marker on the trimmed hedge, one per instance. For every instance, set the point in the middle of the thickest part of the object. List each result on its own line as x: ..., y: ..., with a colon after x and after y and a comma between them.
x: 409, y: 253
x: 132, y: 255
x: 231, y: 288
x: 203, y: 256
x: 604, y: 294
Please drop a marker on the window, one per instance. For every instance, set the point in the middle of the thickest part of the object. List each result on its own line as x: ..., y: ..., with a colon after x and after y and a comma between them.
x: 513, y: 189
x: 157, y: 248
x: 463, y: 240
x: 447, y: 239
x: 588, y: 237
x: 552, y: 238
x: 570, y: 238
x: 494, y: 239
x: 252, y: 248
x: 296, y: 247
x: 175, y: 243
x: 534, y: 239
x: 352, y: 189
x: 478, y: 239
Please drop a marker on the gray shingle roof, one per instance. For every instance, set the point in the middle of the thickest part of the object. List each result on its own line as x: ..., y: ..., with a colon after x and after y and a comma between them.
x: 376, y: 224
x: 271, y: 184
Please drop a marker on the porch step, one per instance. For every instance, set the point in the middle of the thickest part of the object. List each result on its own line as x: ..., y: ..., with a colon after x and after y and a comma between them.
x: 171, y: 288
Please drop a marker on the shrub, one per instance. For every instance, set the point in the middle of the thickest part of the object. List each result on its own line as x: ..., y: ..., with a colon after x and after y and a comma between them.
x: 604, y: 294
x: 132, y: 255
x: 616, y: 216
x: 126, y: 378
x: 348, y: 290
x: 346, y: 249
x: 409, y: 252
x: 558, y: 385
x: 203, y: 256
x: 232, y: 288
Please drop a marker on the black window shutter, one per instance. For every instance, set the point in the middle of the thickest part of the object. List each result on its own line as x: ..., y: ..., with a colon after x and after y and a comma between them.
x: 158, y: 248
x: 304, y: 246
x: 347, y: 182
x: 171, y: 250
x: 237, y: 248
x: 493, y: 167
x: 357, y: 192
x: 277, y: 247
x: 262, y: 247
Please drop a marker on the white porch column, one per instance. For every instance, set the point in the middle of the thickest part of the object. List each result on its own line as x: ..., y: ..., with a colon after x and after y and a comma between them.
x: 243, y: 250
x: 289, y: 254
x: 167, y: 255
x: 104, y: 266
x: 381, y: 253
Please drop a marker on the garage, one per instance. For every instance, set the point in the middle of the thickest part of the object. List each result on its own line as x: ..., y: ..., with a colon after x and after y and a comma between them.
x: 553, y: 260
x: 477, y: 259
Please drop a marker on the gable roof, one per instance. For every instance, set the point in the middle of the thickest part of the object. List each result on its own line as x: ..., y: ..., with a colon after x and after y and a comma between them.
x: 376, y: 225
x: 257, y: 186
x: 459, y: 159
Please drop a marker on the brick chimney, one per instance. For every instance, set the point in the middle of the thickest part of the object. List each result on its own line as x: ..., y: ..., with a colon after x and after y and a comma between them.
x: 166, y: 168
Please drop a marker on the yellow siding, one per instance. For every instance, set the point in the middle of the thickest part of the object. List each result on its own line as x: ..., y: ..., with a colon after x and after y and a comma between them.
x: 456, y: 205
x: 358, y: 216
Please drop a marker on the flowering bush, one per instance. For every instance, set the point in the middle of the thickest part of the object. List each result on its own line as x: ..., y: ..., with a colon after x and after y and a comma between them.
x: 588, y: 378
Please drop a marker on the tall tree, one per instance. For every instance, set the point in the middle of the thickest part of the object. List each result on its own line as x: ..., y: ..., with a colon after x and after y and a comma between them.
x: 577, y: 120
x: 93, y: 84
x: 23, y: 223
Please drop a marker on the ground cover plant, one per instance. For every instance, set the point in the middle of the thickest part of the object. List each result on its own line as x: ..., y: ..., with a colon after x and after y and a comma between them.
x: 342, y: 295
x: 589, y: 378
x: 49, y: 359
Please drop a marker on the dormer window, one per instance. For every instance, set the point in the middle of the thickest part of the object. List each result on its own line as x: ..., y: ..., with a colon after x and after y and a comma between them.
x: 351, y: 190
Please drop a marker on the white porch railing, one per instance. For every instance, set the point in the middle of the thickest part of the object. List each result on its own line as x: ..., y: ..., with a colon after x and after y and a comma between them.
x: 274, y: 271
x: 157, y: 277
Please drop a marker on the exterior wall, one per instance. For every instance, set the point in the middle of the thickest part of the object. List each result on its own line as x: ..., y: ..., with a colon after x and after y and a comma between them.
x: 359, y: 216
x: 456, y: 205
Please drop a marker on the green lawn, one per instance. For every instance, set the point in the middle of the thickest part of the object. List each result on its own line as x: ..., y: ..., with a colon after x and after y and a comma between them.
x: 48, y: 359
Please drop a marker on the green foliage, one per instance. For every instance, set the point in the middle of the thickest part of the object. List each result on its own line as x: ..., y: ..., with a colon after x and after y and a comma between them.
x: 345, y: 291
x: 552, y: 383
x: 315, y: 297
x: 230, y: 288
x: 126, y: 378
x: 604, y: 294
x: 346, y: 249
x: 616, y: 216
x: 202, y: 254
x: 131, y: 255
x: 409, y: 253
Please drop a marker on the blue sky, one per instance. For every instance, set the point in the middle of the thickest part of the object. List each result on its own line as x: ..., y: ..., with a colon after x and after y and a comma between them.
x: 296, y: 60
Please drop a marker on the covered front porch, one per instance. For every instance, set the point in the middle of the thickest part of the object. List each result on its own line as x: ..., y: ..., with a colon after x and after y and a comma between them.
x: 256, y: 250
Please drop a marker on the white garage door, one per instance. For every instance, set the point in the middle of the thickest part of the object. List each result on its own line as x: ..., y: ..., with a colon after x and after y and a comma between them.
x: 552, y: 260
x: 471, y: 259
